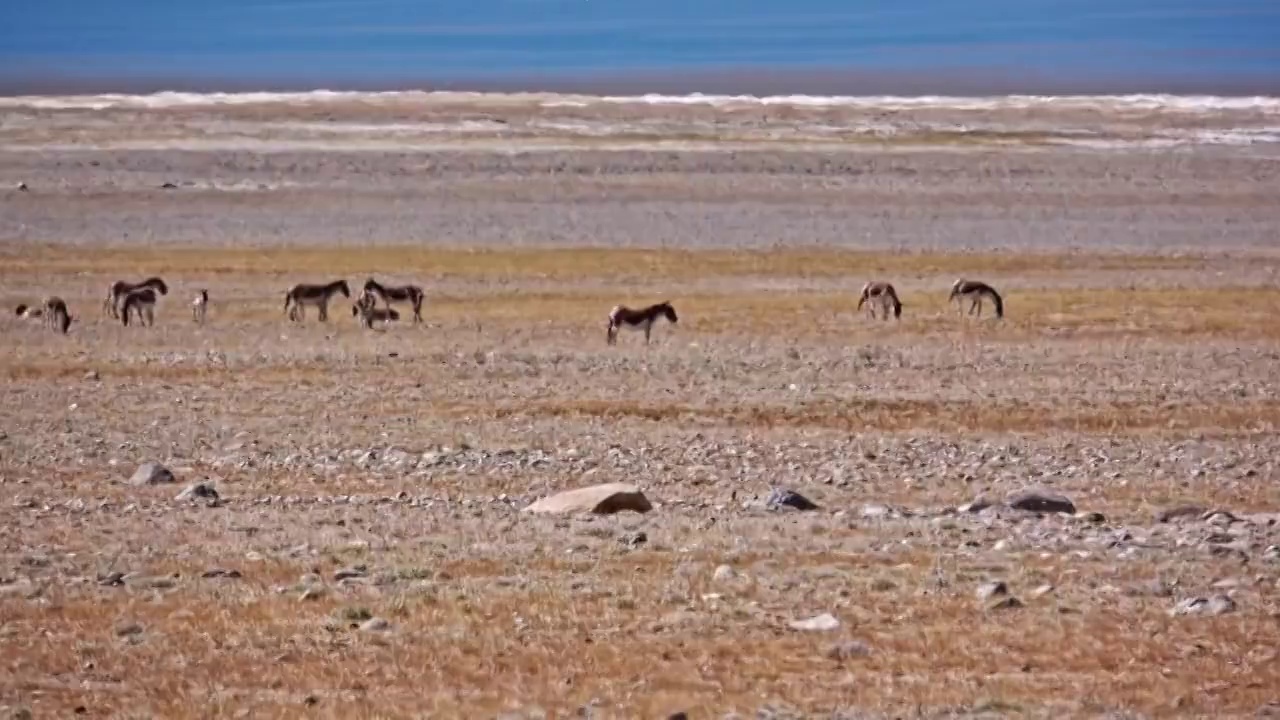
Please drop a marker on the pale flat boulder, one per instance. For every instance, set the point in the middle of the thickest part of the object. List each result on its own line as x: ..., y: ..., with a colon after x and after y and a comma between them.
x: 604, y: 499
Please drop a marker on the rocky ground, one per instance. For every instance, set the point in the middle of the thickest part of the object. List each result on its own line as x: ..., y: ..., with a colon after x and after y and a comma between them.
x: 1070, y: 512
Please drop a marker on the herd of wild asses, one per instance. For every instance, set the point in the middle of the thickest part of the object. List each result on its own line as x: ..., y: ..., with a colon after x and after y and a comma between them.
x: 125, y: 300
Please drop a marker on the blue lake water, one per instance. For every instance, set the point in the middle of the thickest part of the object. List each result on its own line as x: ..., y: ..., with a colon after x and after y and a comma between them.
x: 337, y: 42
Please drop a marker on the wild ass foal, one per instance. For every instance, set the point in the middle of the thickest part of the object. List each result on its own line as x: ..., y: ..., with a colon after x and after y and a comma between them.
x: 400, y: 293
x: 622, y: 316
x: 300, y: 296
x: 975, y: 292
x: 880, y: 293
x: 367, y: 310
x: 120, y: 288
x: 200, y: 306
x: 141, y: 302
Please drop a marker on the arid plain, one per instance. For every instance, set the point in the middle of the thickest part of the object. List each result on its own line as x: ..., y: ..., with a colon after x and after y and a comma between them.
x: 368, y: 556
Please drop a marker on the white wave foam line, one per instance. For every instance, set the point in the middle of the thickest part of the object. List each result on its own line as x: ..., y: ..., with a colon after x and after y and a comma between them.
x: 1184, y: 103
x: 1147, y: 102
x: 337, y: 128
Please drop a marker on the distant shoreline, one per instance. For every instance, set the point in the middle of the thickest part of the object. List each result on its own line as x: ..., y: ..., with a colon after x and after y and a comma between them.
x: 729, y: 81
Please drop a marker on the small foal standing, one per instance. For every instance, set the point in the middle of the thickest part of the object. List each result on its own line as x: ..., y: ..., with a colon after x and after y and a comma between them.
x: 200, y: 306
x: 622, y: 316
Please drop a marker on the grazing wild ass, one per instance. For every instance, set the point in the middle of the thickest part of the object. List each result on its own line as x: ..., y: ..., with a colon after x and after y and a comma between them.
x: 975, y: 292
x: 411, y: 294
x: 29, y: 312
x: 622, y: 316
x: 302, y: 295
x: 56, y: 315
x: 880, y: 293
x: 52, y: 313
x: 120, y: 288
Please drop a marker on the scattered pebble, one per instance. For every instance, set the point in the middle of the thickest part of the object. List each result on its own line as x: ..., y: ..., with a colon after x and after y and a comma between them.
x: 1005, y: 603
x: 848, y: 650
x: 1042, y: 590
x: 151, y: 473
x: 198, y: 491
x: 780, y: 498
x: 1041, y: 501
x: 1211, y: 606
x: 989, y: 590
x: 818, y: 623
x: 634, y: 539
x: 357, y: 571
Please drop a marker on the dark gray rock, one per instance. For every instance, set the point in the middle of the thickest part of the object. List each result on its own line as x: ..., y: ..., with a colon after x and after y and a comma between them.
x: 1220, y: 518
x: 151, y: 473
x: 1007, y: 602
x: 1041, y: 501
x: 357, y: 571
x: 1212, y: 606
x: 780, y: 498
x: 198, y: 491
x: 988, y: 590
x: 111, y: 579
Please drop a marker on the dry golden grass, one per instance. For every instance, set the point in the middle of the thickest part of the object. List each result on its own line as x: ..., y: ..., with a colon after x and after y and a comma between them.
x: 480, y: 648
x: 561, y: 264
x: 1240, y: 313
x: 707, y: 286
x: 870, y: 415
x: 494, y: 611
